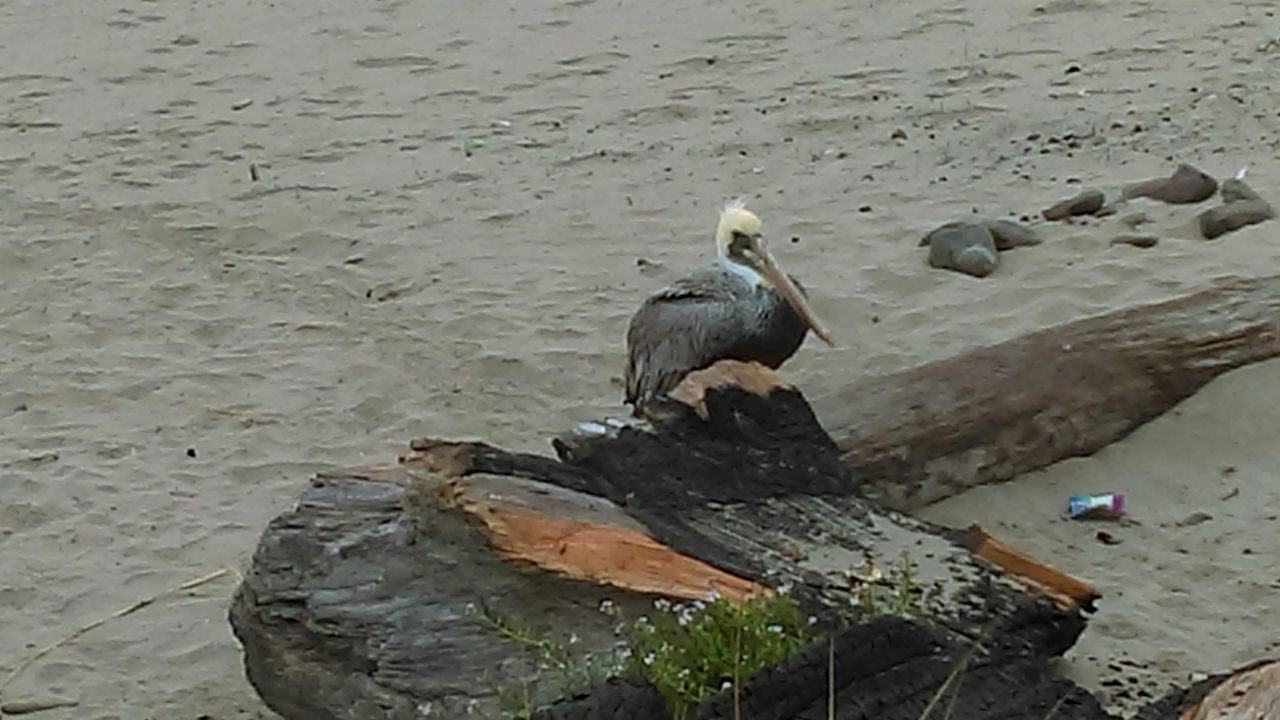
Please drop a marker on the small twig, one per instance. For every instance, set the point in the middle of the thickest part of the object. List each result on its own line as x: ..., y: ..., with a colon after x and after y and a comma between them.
x: 1054, y: 710
x: 955, y: 695
x: 959, y: 668
x: 126, y: 610
x: 737, y: 674
x: 831, y: 677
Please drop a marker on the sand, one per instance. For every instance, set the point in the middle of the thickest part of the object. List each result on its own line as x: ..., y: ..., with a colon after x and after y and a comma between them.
x: 1192, y: 583
x: 445, y: 234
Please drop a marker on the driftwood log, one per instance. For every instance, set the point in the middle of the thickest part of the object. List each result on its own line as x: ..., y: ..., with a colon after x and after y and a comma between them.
x: 930, y: 432
x: 357, y: 603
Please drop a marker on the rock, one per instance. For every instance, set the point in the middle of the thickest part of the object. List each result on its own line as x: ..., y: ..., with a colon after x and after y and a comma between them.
x: 28, y: 707
x: 1241, y: 207
x: 1185, y: 186
x: 1220, y: 220
x: 1194, y: 519
x: 1135, y: 219
x: 1141, y: 241
x: 1009, y: 234
x: 1235, y: 189
x: 1087, y: 202
x: 966, y: 247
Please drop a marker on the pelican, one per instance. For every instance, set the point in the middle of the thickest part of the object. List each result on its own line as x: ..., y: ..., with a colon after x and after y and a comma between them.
x: 745, y: 309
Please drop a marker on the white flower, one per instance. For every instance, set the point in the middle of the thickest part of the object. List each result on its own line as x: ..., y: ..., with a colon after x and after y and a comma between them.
x: 606, y: 607
x: 813, y: 620
x: 726, y: 685
x: 784, y: 588
x: 775, y: 629
x: 573, y: 638
x: 648, y: 659
x: 662, y: 604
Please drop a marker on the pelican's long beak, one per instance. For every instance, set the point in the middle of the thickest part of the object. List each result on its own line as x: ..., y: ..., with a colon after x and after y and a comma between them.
x: 792, y: 295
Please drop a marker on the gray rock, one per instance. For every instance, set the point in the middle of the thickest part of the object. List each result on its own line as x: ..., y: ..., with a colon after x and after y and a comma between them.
x: 1085, y: 203
x: 1240, y: 207
x: 1220, y: 220
x: 1141, y: 241
x: 1134, y: 219
x: 1009, y: 234
x: 966, y: 247
x: 1235, y: 189
x: 1186, y: 185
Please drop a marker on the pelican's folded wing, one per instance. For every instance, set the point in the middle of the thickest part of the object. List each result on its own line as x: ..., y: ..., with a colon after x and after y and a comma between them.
x: 683, y: 328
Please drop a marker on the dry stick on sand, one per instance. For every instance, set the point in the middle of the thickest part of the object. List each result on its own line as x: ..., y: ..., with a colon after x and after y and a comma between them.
x: 127, y: 610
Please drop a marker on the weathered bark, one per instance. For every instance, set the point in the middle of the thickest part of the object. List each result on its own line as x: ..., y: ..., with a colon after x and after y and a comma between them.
x: 988, y: 415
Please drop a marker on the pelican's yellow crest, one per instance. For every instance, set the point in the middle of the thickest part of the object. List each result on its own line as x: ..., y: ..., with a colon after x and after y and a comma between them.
x: 736, y: 218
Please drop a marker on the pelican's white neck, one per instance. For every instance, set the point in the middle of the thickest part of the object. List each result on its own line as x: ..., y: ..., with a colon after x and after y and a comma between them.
x: 746, y: 274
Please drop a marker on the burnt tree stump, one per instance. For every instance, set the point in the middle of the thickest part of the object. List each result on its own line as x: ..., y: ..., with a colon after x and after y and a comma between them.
x: 356, y: 604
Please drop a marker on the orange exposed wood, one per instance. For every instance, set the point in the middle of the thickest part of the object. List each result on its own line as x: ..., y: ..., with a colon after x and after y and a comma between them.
x: 606, y: 554
x: 750, y: 376
x: 1068, y: 592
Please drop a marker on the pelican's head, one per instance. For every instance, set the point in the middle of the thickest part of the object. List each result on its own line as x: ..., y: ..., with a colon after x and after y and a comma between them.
x: 741, y: 248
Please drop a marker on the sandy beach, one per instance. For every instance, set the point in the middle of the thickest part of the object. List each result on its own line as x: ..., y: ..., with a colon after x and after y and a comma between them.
x: 245, y: 241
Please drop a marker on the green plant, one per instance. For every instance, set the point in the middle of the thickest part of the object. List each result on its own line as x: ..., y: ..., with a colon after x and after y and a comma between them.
x: 904, y: 597
x: 572, y: 671
x: 690, y: 652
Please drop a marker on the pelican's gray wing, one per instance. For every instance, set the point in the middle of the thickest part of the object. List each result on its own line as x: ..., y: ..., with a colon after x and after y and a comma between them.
x: 682, y: 328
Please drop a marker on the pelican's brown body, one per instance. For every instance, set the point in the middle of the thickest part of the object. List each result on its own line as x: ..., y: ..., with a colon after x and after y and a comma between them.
x: 746, y: 309
x: 699, y: 319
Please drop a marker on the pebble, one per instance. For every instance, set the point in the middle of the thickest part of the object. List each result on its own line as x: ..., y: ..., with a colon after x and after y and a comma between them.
x: 1140, y: 241
x: 26, y: 707
x: 1241, y: 207
x: 1194, y: 519
x: 1087, y: 202
x: 1235, y: 189
x: 1135, y: 219
x: 966, y: 247
x: 1009, y: 234
x: 1186, y: 185
x: 1220, y: 220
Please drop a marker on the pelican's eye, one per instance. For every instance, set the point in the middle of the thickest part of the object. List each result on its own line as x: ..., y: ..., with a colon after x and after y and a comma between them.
x: 740, y: 244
